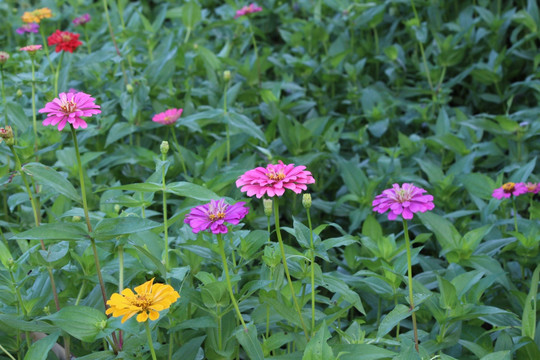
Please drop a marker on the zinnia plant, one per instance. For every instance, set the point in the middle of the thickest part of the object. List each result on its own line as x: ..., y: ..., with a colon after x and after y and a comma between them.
x: 405, y: 200
x: 511, y: 189
x: 148, y: 301
x: 214, y: 216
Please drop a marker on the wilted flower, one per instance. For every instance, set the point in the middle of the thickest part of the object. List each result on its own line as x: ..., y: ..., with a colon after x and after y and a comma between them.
x: 405, y: 201
x: 36, y: 15
x: 64, y: 40
x: 274, y: 179
x: 214, y: 215
x: 509, y: 189
x: 532, y: 187
x: 149, y: 300
x: 31, y: 49
x: 69, y: 107
x: 81, y: 20
x: 6, y: 134
x: 28, y: 28
x: 253, y: 8
x: 168, y: 117
x: 4, y: 57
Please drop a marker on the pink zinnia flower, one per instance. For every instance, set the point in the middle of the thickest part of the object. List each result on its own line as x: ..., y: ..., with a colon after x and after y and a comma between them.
x: 28, y: 28
x: 509, y: 189
x: 168, y: 117
x: 69, y: 107
x: 253, y: 8
x: 532, y: 187
x: 214, y: 215
x: 81, y: 20
x: 31, y: 48
x: 405, y: 201
x: 274, y: 179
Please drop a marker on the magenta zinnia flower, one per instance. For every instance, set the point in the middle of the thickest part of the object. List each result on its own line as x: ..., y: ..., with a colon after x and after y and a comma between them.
x: 168, y: 117
x: 69, y: 107
x: 28, y: 28
x: 509, y: 189
x: 405, y: 201
x: 214, y: 215
x: 253, y: 8
x: 274, y: 179
x: 81, y: 20
x: 532, y: 187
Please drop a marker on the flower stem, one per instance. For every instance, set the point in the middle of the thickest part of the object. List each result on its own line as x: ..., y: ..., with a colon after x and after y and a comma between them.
x: 34, y: 119
x: 21, y: 305
x: 175, y: 141
x: 57, y: 73
x: 120, y: 268
x: 87, y: 39
x: 515, y: 213
x: 254, y: 42
x: 227, y: 277
x: 4, y: 96
x: 225, y: 111
x: 284, y: 258
x: 111, y: 32
x: 149, y: 338
x: 46, y: 48
x: 165, y: 225
x: 312, y: 274
x: 409, y: 271
x: 6, y: 352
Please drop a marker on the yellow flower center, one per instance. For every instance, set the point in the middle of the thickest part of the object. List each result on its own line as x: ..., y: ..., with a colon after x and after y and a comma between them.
x: 216, y: 216
x: 68, y: 106
x: 66, y: 37
x: 509, y: 187
x: 272, y: 175
x: 142, y: 301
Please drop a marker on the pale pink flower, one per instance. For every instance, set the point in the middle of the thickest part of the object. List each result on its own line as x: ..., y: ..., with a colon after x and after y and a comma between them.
x: 168, y: 117
x: 274, y: 179
x: 68, y: 108
x: 405, y: 201
x: 532, y: 187
x: 31, y: 48
x: 509, y: 189
x: 253, y: 8
x: 215, y: 215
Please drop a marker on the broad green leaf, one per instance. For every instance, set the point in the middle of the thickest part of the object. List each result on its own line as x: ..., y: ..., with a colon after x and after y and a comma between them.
x: 250, y: 343
x: 111, y: 228
x: 81, y: 322
x: 55, y: 251
x: 14, y: 322
x: 393, y: 318
x: 444, y: 231
x: 191, y: 14
x: 48, y: 176
x: 340, y: 287
x: 318, y: 348
x: 100, y: 355
x: 56, y: 231
x: 156, y: 261
x: 241, y: 124
x: 192, y: 191
x: 363, y: 351
x: 448, y: 299
x: 118, y: 131
x: 142, y: 187
x: 498, y: 355
x: 40, y: 349
x: 372, y: 228
x: 528, y: 321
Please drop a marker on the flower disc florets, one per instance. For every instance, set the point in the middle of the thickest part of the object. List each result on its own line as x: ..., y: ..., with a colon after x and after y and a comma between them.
x: 405, y: 201
x: 215, y: 215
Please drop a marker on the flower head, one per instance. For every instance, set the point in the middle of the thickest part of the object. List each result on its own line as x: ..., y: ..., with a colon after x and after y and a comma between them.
x: 36, y: 15
x: 532, y: 187
x: 64, y: 40
x: 69, y: 107
x: 149, y: 300
x: 168, y: 117
x: 274, y: 179
x: 6, y: 134
x: 253, y: 8
x: 31, y: 49
x: 28, y: 28
x: 509, y: 189
x: 405, y: 201
x: 4, y: 57
x: 214, y: 215
x: 81, y: 20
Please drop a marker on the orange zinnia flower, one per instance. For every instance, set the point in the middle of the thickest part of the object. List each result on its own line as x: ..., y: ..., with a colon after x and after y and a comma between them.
x: 36, y: 15
x: 149, y: 300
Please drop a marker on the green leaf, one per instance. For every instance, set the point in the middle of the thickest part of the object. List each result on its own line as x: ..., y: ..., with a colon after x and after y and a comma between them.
x: 192, y: 191
x: 528, y: 321
x: 372, y: 228
x: 191, y: 14
x: 14, y: 322
x: 241, y: 124
x: 498, y: 355
x: 142, y: 187
x: 111, y: 228
x: 40, y: 349
x: 340, y: 287
x: 55, y: 251
x: 363, y: 351
x: 118, y: 131
x: 250, y: 343
x: 393, y: 318
x: 156, y: 261
x: 56, y: 231
x: 48, y: 176
x: 318, y: 348
x: 81, y: 322
x: 444, y: 231
x: 448, y: 299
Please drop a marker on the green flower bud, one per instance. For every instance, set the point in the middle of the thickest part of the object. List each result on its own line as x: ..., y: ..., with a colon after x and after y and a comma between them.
x: 76, y: 218
x: 19, y: 93
x: 306, y: 200
x: 267, y: 203
x: 116, y: 208
x: 227, y: 75
x: 129, y: 88
x: 164, y: 148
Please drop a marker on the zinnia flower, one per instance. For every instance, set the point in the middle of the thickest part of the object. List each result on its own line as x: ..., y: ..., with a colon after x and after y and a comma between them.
x: 28, y: 28
x: 64, y: 40
x: 509, y: 189
x: 149, y: 300
x: 36, y: 15
x: 532, y: 187
x: 253, y: 8
x: 69, y: 107
x: 405, y: 201
x: 81, y: 20
x: 274, y: 179
x: 214, y: 215
x: 168, y: 117
x: 4, y: 57
x: 31, y: 48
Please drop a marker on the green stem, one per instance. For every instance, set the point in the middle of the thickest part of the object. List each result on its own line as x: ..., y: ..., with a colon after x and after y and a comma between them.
x: 219, y: 332
x: 515, y: 213
x: 21, y: 305
x: 120, y: 268
x: 227, y: 125
x: 165, y: 225
x: 4, y: 97
x: 175, y: 141
x: 188, y: 33
x: 57, y: 74
x: 284, y: 258
x: 34, y: 119
x: 6, y: 352
x: 376, y: 38
x: 409, y: 271
x: 312, y: 274
x: 267, y: 321
x: 149, y: 338
x: 227, y: 277
x: 424, y: 60
x: 87, y: 39
x: 254, y: 42
x: 81, y: 292
x: 46, y: 48
x: 111, y: 32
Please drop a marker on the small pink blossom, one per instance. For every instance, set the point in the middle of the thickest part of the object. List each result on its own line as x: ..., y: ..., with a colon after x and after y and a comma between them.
x: 532, y: 187
x: 68, y: 108
x: 168, y: 117
x: 215, y: 215
x: 274, y: 179
x: 405, y: 201
x: 509, y: 189
x: 81, y: 20
x: 253, y: 8
x: 31, y: 48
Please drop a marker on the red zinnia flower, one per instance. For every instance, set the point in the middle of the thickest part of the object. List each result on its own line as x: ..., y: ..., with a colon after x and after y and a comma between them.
x: 64, y: 40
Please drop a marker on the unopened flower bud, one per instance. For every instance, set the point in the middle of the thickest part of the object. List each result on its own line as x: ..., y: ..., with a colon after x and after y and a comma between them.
x: 195, y: 46
x: 76, y: 218
x: 6, y: 134
x: 4, y: 56
x: 306, y: 200
x: 101, y: 325
x: 129, y: 88
x: 267, y: 203
x: 164, y: 148
x: 227, y: 75
x: 116, y: 208
x: 19, y: 93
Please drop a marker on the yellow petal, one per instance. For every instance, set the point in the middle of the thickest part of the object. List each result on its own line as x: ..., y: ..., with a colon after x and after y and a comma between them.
x: 153, y: 315
x: 142, y: 317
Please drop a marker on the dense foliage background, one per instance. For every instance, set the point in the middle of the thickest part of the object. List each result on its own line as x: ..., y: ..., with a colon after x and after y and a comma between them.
x: 443, y: 94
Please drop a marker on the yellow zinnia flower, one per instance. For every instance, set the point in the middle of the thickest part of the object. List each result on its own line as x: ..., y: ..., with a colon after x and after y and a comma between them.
x: 36, y: 15
x: 150, y: 299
